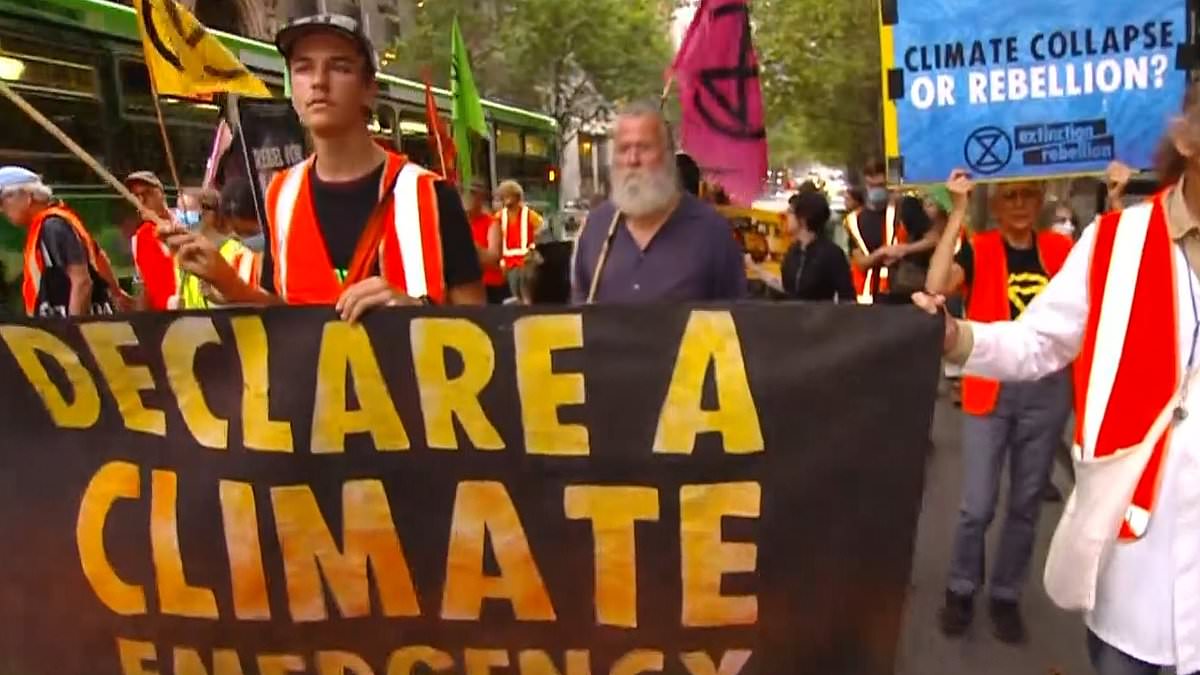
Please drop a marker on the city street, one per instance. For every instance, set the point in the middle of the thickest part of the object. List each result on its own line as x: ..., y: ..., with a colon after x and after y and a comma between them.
x: 1056, y: 644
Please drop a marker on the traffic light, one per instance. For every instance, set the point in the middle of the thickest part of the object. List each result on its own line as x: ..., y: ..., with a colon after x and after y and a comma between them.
x: 552, y: 175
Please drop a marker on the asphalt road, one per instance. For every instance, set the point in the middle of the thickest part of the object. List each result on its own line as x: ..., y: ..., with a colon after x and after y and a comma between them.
x: 1056, y: 644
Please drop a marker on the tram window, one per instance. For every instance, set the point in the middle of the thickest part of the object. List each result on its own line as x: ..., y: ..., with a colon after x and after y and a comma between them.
x: 25, y: 143
x: 536, y: 146
x: 508, y: 141
x: 47, y: 67
x: 137, y: 97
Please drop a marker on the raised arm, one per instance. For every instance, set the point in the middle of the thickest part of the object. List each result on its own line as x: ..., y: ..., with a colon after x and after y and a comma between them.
x: 945, y: 276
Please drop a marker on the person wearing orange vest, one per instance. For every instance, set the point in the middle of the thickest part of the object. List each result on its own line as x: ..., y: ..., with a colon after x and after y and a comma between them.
x: 152, y: 260
x: 485, y: 230
x: 873, y: 232
x: 1125, y: 309
x: 1000, y: 272
x: 519, y: 226
x: 355, y: 225
x: 66, y: 272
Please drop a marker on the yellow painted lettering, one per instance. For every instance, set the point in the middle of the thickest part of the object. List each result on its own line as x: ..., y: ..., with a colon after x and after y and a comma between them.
x: 614, y: 512
x: 342, y: 663
x: 483, y: 509
x: 706, y: 557
x: 240, y: 517
x: 404, y: 661
x: 482, y: 661
x: 175, y: 595
x: 259, y: 431
x: 544, y: 391
x: 184, y: 337
x: 710, y: 337
x: 732, y: 662
x: 115, y: 480
x: 134, y: 654
x: 637, y: 662
x: 125, y: 381
x: 279, y: 664
x: 444, y: 398
x: 346, y: 348
x: 537, y: 662
x: 369, y: 539
x: 83, y: 410
x: 188, y: 662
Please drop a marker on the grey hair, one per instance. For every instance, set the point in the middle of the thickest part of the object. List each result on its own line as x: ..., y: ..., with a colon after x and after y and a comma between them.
x: 648, y: 108
x: 39, y: 191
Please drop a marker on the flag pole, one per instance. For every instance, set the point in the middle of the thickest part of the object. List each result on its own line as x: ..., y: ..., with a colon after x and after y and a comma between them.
x: 71, y: 145
x: 162, y: 127
x: 662, y: 102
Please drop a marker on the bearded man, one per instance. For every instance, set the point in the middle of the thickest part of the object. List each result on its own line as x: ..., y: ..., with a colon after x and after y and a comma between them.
x: 653, y: 242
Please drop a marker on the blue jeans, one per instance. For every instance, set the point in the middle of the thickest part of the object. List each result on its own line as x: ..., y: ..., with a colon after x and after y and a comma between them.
x: 1025, y: 428
x: 1108, y: 660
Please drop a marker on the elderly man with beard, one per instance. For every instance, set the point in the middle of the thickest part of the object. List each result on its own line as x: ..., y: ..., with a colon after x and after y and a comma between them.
x: 653, y: 242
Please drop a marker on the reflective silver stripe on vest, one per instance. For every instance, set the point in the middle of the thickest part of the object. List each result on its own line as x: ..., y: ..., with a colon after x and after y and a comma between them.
x: 524, y: 249
x: 285, y: 206
x: 406, y: 210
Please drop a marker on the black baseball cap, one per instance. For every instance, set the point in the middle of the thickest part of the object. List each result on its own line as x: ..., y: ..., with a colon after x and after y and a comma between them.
x: 344, y: 24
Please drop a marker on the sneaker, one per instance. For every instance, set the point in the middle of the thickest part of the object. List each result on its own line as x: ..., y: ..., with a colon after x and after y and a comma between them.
x: 1007, y: 624
x: 956, y: 614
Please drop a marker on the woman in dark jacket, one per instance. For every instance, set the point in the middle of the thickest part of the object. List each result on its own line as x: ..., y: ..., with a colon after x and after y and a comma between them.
x: 814, y: 268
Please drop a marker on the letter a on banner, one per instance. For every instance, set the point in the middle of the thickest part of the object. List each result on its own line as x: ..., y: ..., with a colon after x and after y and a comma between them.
x: 185, y: 59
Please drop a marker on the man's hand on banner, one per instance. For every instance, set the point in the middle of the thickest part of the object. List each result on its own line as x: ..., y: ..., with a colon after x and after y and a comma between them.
x: 121, y: 300
x: 369, y: 294
x: 198, y: 256
x: 936, y: 304
x: 960, y: 186
x: 1116, y: 179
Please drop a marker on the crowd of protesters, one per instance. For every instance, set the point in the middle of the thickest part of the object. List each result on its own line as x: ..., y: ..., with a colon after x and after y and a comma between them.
x: 359, y: 227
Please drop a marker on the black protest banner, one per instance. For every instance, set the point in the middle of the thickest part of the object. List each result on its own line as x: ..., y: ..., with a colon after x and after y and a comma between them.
x: 612, y: 491
x: 271, y: 139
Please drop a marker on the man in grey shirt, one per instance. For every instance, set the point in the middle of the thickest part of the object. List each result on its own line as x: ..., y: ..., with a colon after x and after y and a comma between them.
x: 666, y: 245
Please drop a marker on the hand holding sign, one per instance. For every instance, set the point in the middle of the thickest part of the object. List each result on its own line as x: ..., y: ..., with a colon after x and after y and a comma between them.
x: 1117, y: 178
x: 960, y: 186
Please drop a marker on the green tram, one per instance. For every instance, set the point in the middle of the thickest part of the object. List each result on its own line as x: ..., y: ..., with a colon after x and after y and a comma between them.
x: 80, y: 63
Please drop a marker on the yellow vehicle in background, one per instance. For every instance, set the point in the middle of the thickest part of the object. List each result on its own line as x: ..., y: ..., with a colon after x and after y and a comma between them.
x: 762, y: 232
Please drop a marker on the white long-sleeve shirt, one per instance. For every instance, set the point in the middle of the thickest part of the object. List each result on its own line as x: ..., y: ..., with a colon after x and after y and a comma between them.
x: 1148, y: 595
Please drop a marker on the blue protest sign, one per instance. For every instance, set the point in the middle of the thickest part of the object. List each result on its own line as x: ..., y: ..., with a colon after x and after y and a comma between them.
x: 1019, y: 89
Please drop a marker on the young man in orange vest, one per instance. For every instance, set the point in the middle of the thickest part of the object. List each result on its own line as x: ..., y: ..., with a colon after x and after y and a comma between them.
x: 519, y: 226
x: 66, y: 273
x: 152, y: 260
x: 1125, y: 309
x: 355, y: 225
x: 485, y: 229
x: 1000, y: 272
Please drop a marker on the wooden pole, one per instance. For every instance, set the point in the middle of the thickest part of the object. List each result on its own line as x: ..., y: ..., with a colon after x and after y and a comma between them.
x: 71, y: 145
x: 162, y: 127
x: 662, y: 102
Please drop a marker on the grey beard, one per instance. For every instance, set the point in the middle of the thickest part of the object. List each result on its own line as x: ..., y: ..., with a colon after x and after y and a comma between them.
x: 647, y: 195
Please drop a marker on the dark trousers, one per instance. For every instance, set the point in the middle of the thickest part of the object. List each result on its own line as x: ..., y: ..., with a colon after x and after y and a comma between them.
x: 1024, y: 429
x: 1108, y: 660
x: 496, y: 295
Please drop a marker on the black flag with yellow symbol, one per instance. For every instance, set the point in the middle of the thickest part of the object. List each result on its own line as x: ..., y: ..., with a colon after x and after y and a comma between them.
x: 187, y: 60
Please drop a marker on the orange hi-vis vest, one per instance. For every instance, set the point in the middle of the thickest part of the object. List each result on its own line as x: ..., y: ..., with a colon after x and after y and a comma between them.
x: 988, y: 302
x: 1129, y: 365
x: 35, y: 263
x: 410, y: 255
x: 516, y: 240
x: 864, y: 280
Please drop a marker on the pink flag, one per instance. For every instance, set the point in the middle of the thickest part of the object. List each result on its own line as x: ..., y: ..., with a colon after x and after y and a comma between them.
x: 719, y: 90
x: 221, y: 142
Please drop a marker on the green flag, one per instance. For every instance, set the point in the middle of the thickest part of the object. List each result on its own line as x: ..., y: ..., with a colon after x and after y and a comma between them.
x: 468, y: 111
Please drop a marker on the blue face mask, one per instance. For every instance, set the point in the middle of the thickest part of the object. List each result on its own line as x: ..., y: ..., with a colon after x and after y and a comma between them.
x: 877, y: 197
x: 255, y: 242
x: 188, y: 219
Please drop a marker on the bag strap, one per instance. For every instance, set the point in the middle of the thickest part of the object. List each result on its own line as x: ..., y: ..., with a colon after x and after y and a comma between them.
x: 366, y: 252
x: 603, y: 259
x: 1169, y: 411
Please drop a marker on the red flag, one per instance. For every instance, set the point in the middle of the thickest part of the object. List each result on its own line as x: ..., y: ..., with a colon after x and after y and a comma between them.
x: 441, y: 144
x: 721, y: 97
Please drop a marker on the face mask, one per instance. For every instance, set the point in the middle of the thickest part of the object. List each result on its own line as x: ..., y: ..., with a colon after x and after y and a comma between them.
x: 877, y: 197
x: 255, y: 242
x: 188, y: 219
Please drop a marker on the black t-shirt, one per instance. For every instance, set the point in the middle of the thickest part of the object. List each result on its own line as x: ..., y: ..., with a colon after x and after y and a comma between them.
x: 60, y: 247
x: 819, y: 272
x: 342, y: 210
x: 1026, y: 276
x: 909, y: 212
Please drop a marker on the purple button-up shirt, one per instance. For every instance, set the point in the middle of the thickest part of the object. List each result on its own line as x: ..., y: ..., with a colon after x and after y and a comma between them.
x: 692, y: 258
